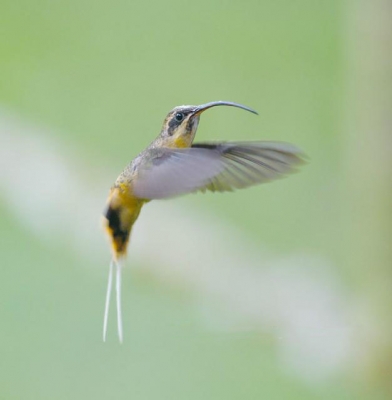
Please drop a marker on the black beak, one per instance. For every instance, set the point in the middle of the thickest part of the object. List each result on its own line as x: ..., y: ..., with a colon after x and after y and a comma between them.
x: 206, y: 106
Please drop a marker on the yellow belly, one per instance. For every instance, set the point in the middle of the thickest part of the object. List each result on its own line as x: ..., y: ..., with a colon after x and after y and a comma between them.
x: 122, y: 212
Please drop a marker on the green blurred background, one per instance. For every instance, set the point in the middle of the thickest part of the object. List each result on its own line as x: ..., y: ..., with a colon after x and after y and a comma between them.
x: 292, y: 297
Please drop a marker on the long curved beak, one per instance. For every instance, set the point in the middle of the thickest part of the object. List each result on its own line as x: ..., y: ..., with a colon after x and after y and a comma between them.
x: 206, y: 106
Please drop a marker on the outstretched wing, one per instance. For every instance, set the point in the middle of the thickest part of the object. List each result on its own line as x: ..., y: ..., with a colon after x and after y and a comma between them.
x: 251, y: 163
x: 220, y: 167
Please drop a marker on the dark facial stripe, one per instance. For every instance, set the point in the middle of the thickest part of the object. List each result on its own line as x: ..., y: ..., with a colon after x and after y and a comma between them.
x: 172, y: 125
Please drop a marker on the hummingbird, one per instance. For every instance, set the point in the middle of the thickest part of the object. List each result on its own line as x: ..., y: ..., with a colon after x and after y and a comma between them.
x: 173, y: 165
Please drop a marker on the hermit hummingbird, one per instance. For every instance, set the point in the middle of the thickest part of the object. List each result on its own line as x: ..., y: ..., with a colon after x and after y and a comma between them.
x: 173, y: 165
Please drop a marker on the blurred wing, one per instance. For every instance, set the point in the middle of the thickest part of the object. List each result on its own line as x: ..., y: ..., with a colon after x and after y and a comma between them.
x: 213, y: 166
x: 251, y: 163
x: 171, y: 172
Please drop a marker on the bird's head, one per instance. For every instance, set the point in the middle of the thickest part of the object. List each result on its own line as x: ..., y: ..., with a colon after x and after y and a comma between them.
x: 180, y: 125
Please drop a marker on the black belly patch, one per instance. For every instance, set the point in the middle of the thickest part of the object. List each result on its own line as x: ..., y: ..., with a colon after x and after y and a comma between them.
x: 120, y: 235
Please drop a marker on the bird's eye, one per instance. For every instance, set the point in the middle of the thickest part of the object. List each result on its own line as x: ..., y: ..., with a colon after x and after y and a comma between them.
x: 179, y: 117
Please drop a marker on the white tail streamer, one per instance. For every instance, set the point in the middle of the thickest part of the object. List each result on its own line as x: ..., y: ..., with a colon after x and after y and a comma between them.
x: 107, y: 301
x: 113, y: 264
x: 118, y: 301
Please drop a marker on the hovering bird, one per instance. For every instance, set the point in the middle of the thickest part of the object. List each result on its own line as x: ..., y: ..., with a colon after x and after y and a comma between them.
x: 173, y: 165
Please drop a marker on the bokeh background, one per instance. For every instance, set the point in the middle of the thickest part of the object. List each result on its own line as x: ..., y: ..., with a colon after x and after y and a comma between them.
x: 282, y: 291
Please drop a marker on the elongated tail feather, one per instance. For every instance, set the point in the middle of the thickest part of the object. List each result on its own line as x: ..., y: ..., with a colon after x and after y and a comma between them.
x: 107, y: 301
x: 117, y: 265
x: 118, y: 302
x: 121, y: 213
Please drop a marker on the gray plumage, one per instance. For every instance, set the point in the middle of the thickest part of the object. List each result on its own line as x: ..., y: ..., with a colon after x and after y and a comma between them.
x: 221, y: 167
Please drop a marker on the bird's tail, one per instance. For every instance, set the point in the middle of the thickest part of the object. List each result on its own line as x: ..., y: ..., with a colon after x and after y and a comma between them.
x: 114, y: 264
x: 119, y: 217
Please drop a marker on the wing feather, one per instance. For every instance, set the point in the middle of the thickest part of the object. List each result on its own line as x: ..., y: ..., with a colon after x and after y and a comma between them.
x: 221, y: 166
x: 250, y: 163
